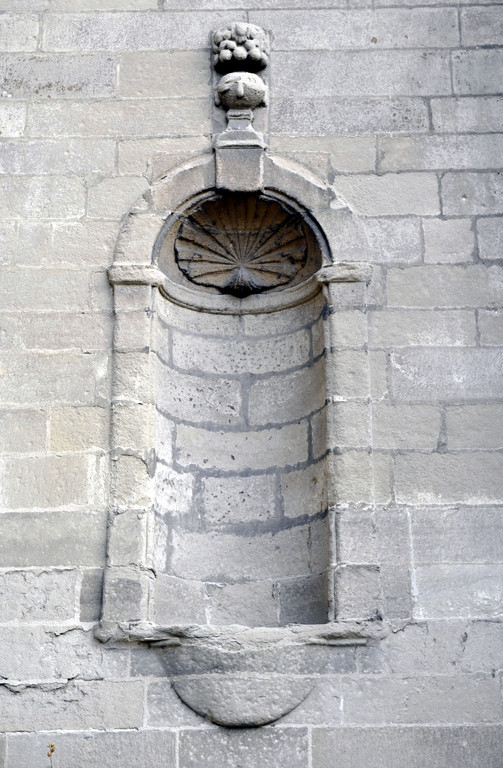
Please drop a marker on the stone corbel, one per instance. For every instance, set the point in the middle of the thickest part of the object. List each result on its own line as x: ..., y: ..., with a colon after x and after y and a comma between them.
x: 240, y: 51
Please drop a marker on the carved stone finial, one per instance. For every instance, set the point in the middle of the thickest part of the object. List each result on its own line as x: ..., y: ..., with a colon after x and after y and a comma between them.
x: 240, y: 46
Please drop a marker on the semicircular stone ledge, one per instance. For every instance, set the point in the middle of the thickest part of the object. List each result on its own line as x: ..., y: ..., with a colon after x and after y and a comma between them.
x: 239, y: 676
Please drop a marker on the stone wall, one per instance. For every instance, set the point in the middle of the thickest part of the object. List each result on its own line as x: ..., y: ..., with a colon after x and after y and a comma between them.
x: 394, y: 104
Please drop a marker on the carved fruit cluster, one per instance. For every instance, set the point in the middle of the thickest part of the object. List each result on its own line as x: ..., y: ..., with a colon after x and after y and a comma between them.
x: 240, y: 46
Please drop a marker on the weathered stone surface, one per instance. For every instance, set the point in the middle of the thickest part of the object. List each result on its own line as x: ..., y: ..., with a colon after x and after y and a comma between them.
x: 49, y: 481
x: 180, y: 73
x: 422, y: 747
x: 250, y: 604
x: 423, y: 328
x: 476, y: 72
x: 459, y: 590
x: 478, y: 535
x: 38, y: 595
x: 22, y: 431
x: 491, y: 327
x: 405, y: 426
x: 466, y: 194
x: 393, y: 193
x: 475, y: 426
x: 124, y: 749
x: 209, y: 748
x: 52, y: 538
x: 477, y: 115
x: 235, y: 451
x: 239, y: 499
x: 445, y: 286
x: 448, y: 240
x: 58, y: 76
x: 199, y: 399
x: 490, y: 235
x: 304, y: 492
x: 288, y: 397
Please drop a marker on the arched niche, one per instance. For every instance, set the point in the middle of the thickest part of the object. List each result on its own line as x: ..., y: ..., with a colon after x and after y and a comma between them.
x: 222, y: 544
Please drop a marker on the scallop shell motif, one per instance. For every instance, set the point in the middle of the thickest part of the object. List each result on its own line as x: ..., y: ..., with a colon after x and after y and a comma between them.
x: 241, y: 245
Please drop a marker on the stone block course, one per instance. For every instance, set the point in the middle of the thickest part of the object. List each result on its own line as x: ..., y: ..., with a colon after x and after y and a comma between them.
x: 466, y: 194
x: 294, y: 115
x: 45, y: 481
x: 448, y: 240
x: 477, y: 72
x: 423, y: 328
x: 18, y: 32
x: 428, y: 153
x: 22, y: 430
x: 211, y: 748
x: 355, y: 29
x: 138, y: 117
x: 422, y: 747
x: 490, y: 237
x: 459, y: 590
x: 12, y: 119
x: 39, y: 77
x: 36, y: 378
x: 447, y: 375
x: 52, y: 538
x: 179, y: 74
x: 239, y: 500
x: 124, y: 749
x: 404, y: 194
x: 491, y: 327
x: 405, y: 426
x: 478, y: 538
x: 475, y: 426
x: 41, y: 197
x: 71, y: 156
x: 481, y: 114
x: 474, y: 478
x: 35, y: 596
x: 445, y: 286
x: 287, y: 397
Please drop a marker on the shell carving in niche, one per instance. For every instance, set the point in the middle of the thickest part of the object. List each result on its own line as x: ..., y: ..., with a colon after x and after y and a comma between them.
x: 241, y: 245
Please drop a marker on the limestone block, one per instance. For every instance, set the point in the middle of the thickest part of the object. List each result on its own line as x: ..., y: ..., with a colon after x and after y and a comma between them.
x: 447, y: 286
x: 346, y: 153
x: 467, y: 194
x: 58, y: 77
x: 103, y: 704
x: 286, y: 321
x: 336, y: 29
x: 194, y: 322
x: 446, y: 374
x: 473, y: 478
x: 45, y: 481
x: 162, y: 154
x: 481, y: 26
x: 396, y: 594
x: 199, y: 399
x: 429, y: 153
x: 440, y: 699
x: 284, y: 398
x: 133, y: 427
x: 53, y: 289
x: 27, y: 654
x: 303, y: 601
x: 111, y: 198
x: 252, y: 604
x: 38, y: 595
x: 90, y: 594
x: 329, y: 74
x: 459, y: 590
x: 131, y: 482
x: 78, y: 429
x: 392, y: 536
x: 482, y: 650
x: 350, y: 424
x: 125, y: 594
x: 178, y: 73
x: 223, y: 557
x: 490, y: 236
x: 133, y: 377
x: 101, y: 292
x: 173, y: 491
x: 239, y: 499
x: 319, y: 434
x: 22, y: 431
x: 420, y: 747
x: 124, y: 749
x: 393, y: 240
x: 77, y: 654
x: 138, y: 117
x: 477, y: 72
x: 378, y: 366
x: 126, y: 545
x: 475, y: 426
x: 132, y: 331
x: 70, y: 156
x: 408, y: 193
x: 421, y: 328
x: 347, y: 328
x: 478, y: 535
x: 131, y: 298
x: 12, y: 119
x: 166, y: 709
x: 53, y: 538
x: 131, y: 31
x: 296, y: 115
x: 491, y: 327
x: 305, y: 491
x: 83, y: 243
x: 356, y: 476
x: 321, y: 707
x: 164, y: 429
x: 448, y: 240
x: 356, y: 536
x: 350, y: 374
x: 474, y: 115
x: 179, y: 601
x: 234, y: 451
x: 54, y: 330
x: 405, y: 426
x: 262, y: 356
x: 357, y: 591
x: 41, y: 197
x: 212, y: 748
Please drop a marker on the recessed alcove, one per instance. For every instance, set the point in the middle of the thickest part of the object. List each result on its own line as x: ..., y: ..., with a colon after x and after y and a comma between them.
x: 223, y: 522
